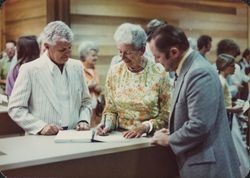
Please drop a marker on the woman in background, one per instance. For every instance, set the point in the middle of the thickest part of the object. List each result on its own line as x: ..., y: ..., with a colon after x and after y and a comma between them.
x: 137, y: 89
x: 88, y: 53
x: 226, y: 66
x: 27, y: 50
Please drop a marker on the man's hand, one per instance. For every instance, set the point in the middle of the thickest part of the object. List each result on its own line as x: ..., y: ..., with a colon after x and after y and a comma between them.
x: 50, y: 129
x: 135, y: 133
x: 82, y: 126
x: 161, y: 137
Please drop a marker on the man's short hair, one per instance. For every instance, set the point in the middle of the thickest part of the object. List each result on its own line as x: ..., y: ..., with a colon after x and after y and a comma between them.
x: 203, y: 41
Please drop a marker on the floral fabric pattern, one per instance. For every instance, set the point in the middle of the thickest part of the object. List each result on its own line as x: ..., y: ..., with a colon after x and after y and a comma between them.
x: 132, y: 98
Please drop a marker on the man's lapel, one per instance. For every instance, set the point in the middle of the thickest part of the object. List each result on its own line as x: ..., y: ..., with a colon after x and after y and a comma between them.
x: 73, y: 84
x: 45, y: 79
x: 178, y: 85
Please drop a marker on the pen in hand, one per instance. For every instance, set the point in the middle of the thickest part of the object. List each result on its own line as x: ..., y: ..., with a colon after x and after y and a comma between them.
x: 102, y: 128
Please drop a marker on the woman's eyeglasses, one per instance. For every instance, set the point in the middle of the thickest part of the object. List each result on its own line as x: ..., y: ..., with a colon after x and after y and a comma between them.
x: 127, y: 53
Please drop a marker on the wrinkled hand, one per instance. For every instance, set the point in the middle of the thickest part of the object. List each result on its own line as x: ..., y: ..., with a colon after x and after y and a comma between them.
x: 135, y: 133
x: 82, y: 126
x: 102, y: 130
x: 50, y: 129
x: 160, y: 137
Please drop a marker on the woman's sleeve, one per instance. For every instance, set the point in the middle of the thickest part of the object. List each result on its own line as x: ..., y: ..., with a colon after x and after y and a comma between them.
x: 161, y: 121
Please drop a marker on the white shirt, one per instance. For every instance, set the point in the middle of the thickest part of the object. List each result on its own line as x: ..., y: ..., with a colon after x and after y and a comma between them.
x: 61, y: 83
x: 178, y: 70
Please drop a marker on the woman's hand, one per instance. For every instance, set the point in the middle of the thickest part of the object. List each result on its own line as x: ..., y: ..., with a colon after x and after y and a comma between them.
x: 102, y: 129
x: 135, y: 133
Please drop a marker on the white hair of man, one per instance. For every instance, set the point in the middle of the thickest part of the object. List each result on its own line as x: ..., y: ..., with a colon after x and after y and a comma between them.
x: 131, y: 34
x: 85, y: 47
x: 56, y: 31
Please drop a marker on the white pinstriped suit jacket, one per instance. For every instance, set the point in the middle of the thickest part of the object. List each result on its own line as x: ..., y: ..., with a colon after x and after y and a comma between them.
x: 34, y: 103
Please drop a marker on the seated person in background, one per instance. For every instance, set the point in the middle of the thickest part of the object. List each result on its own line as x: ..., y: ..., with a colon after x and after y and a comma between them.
x: 88, y: 52
x: 6, y: 62
x: 50, y: 93
x: 27, y: 50
x: 137, y: 89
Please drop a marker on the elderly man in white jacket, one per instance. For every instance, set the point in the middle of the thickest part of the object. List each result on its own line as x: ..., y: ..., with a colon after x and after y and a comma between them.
x: 50, y: 93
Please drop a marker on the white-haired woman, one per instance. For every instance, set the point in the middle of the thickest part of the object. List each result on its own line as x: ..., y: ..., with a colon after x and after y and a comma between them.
x: 137, y: 89
x: 88, y: 53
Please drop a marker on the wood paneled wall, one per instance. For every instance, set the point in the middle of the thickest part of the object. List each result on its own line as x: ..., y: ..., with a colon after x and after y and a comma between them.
x: 24, y: 17
x: 248, y: 25
x: 2, y: 28
x: 97, y: 20
x: 28, y: 17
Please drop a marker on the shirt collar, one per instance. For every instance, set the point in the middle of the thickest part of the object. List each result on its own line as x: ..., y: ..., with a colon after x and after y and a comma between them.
x: 178, y: 70
x: 51, y: 64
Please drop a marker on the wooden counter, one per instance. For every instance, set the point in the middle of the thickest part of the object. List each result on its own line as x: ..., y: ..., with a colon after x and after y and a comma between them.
x: 39, y: 156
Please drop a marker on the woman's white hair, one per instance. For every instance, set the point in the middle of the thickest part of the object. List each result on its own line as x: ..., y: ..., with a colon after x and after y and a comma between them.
x: 56, y: 31
x: 131, y: 34
x: 85, y: 47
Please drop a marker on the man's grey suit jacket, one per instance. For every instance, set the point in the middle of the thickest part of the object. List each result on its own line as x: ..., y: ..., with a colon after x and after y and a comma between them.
x: 199, y: 131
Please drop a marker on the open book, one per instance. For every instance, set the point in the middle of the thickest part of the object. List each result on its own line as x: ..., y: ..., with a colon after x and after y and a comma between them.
x: 88, y: 136
x: 64, y: 136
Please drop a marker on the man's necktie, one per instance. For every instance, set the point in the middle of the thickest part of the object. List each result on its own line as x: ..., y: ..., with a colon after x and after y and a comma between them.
x: 175, y: 78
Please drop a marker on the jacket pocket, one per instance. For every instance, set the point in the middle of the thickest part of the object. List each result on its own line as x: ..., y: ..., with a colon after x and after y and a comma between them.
x: 203, y: 157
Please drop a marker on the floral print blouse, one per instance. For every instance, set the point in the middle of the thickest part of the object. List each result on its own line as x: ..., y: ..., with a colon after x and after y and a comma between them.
x: 132, y: 98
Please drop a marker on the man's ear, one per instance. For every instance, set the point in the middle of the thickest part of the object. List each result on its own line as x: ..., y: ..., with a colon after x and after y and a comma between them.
x: 174, y: 51
x: 46, y: 45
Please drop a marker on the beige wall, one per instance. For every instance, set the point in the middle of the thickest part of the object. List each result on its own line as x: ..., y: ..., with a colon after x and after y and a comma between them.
x: 2, y: 28
x: 24, y: 17
x: 97, y: 20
